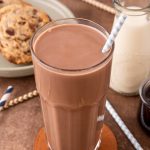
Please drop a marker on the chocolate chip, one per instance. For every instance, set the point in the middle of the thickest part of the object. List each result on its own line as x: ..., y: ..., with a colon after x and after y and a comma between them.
x: 21, y: 22
x: 22, y: 18
x: 34, y: 17
x: 1, y: 45
x: 1, y: 1
x: 10, y: 31
x: 27, y: 52
x: 32, y: 26
x: 34, y: 11
x: 40, y: 19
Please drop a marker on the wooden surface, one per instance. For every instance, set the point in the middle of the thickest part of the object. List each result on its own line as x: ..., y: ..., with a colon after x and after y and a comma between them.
x: 19, y: 125
x: 108, y: 140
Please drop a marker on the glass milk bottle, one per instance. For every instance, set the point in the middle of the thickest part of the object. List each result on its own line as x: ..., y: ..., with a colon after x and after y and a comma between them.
x: 131, y: 60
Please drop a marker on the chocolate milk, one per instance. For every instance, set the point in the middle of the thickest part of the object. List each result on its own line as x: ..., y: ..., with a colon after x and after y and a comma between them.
x: 72, y: 77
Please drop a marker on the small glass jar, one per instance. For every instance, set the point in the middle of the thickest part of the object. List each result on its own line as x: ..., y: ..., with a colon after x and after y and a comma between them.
x: 145, y: 107
x: 131, y: 59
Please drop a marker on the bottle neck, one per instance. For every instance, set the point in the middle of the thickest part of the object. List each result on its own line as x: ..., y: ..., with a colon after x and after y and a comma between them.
x: 132, y: 7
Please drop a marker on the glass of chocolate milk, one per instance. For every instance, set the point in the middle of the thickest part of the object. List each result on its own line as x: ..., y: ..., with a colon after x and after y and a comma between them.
x: 72, y: 77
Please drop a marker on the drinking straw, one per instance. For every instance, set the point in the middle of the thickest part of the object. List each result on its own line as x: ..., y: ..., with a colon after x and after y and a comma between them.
x: 123, y: 127
x: 5, y: 96
x: 20, y: 99
x: 114, y: 33
x: 100, y: 118
x: 117, y: 26
x: 98, y: 145
x: 100, y: 6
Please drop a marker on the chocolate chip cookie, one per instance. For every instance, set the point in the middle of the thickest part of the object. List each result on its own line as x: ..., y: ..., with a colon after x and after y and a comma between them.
x: 17, y: 25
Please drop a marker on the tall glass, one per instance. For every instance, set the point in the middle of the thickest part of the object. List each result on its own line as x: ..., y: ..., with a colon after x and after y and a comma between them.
x: 73, y: 101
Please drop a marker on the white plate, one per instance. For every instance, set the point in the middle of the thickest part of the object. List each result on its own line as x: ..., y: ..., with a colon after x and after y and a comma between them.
x: 55, y: 10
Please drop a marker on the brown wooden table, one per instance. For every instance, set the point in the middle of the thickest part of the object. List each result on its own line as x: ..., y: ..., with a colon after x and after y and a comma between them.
x: 19, y: 125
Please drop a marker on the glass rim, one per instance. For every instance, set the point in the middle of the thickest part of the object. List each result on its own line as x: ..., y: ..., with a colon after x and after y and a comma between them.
x: 141, y: 92
x: 129, y: 11
x: 103, y: 30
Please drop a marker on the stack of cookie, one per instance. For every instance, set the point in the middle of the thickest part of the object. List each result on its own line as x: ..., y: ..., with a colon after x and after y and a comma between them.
x: 18, y: 23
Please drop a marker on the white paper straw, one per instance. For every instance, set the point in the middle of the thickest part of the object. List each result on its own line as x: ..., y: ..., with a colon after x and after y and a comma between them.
x: 97, y: 145
x: 123, y: 127
x: 114, y: 33
x: 100, y: 118
x: 5, y: 96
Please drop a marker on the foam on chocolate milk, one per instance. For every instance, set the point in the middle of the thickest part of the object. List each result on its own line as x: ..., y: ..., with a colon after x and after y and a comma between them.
x: 71, y: 47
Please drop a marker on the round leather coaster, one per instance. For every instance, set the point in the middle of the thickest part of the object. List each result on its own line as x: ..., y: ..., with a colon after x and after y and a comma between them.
x: 108, y: 140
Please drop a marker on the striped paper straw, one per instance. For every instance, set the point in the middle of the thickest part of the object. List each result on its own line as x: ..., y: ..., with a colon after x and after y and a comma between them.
x: 100, y: 118
x: 97, y: 145
x: 123, y: 127
x: 114, y: 33
x: 5, y: 96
